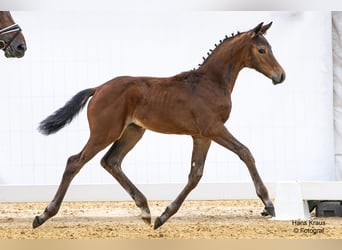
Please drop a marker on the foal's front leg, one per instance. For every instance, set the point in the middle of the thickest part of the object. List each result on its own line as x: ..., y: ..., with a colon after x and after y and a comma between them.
x: 199, y: 154
x: 221, y: 135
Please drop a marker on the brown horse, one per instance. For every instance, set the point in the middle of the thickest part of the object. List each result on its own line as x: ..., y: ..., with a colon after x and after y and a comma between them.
x: 12, y: 40
x: 196, y: 103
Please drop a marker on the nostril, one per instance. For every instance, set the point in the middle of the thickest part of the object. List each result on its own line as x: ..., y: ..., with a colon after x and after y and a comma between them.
x: 282, y: 77
x: 21, y: 47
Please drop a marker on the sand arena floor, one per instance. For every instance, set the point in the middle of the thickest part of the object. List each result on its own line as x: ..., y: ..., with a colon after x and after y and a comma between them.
x: 195, y: 220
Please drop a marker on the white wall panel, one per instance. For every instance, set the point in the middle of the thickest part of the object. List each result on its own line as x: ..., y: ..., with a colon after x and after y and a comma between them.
x: 288, y: 128
x: 337, y: 59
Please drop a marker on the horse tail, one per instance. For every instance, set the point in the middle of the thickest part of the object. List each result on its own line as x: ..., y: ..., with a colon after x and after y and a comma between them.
x: 66, y: 114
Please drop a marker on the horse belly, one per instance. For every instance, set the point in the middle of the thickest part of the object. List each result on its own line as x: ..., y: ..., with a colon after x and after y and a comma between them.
x: 169, y: 119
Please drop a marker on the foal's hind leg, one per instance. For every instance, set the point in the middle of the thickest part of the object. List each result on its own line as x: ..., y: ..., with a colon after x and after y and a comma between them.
x: 112, y: 163
x: 74, y: 165
x: 199, y: 154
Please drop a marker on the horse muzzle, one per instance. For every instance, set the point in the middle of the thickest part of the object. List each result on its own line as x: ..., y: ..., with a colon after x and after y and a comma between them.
x: 12, y: 46
x: 279, y: 78
x: 13, y: 50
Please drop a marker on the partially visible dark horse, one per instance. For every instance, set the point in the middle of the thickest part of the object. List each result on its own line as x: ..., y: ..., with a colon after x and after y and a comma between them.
x: 196, y: 103
x: 12, y: 40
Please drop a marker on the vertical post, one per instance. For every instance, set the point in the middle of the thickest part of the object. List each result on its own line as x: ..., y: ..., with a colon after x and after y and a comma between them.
x: 337, y: 77
x: 289, y: 203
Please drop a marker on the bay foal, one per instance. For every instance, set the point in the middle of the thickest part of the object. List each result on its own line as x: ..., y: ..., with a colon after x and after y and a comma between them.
x: 196, y: 103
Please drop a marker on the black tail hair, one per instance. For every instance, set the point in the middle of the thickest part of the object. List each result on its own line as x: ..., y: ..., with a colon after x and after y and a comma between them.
x: 66, y: 114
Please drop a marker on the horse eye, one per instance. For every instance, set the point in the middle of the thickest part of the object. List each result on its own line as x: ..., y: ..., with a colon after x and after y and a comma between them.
x: 262, y: 51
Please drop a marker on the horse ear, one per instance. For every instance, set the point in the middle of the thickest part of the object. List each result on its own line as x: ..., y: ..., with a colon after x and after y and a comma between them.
x: 265, y: 28
x: 256, y: 30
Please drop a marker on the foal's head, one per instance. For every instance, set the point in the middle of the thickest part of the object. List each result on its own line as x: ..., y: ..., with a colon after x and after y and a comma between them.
x: 12, y: 40
x: 260, y: 56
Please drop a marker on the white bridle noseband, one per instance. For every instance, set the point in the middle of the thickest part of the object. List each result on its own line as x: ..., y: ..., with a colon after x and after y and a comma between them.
x: 12, y: 28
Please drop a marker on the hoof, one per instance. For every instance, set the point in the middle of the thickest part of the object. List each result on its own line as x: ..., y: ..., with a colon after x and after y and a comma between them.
x: 37, y: 222
x: 268, y: 211
x: 157, y: 223
x: 147, y: 220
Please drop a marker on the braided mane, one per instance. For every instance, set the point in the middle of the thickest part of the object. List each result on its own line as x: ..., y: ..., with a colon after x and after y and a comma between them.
x: 226, y: 38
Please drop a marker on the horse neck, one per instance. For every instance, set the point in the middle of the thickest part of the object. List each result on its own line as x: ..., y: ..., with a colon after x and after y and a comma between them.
x: 225, y: 62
